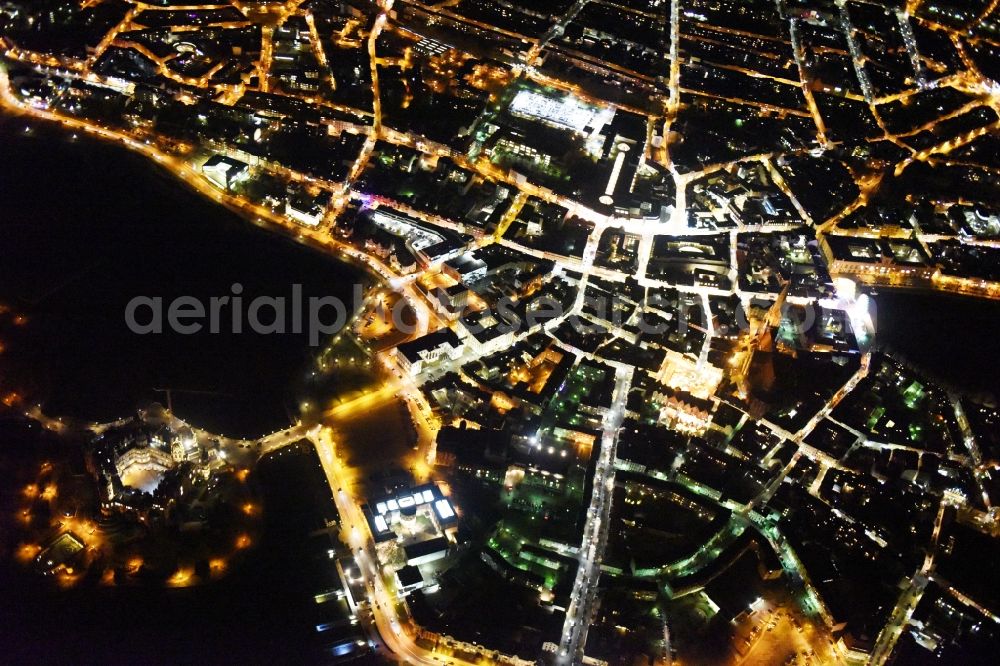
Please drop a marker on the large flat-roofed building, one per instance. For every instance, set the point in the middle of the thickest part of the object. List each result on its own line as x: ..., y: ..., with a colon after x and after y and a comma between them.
x: 418, y: 236
x: 889, y: 261
x: 466, y: 269
x: 419, y: 522
x: 426, y: 551
x: 415, y: 356
x: 225, y: 171
x: 564, y: 112
x: 409, y: 579
x: 394, y: 516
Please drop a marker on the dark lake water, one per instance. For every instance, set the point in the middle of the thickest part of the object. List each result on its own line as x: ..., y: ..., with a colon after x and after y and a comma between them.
x: 955, y: 339
x: 86, y: 226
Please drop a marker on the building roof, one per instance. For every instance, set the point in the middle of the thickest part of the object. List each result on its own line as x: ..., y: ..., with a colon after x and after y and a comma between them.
x: 412, y: 350
x: 465, y: 264
x: 409, y: 576
x: 425, y: 548
x: 224, y: 162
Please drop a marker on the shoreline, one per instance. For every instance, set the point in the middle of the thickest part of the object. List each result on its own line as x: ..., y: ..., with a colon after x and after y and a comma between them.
x: 170, y: 171
x: 258, y: 216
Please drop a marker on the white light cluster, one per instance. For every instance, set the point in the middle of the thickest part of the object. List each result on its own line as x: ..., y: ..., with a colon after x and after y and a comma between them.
x: 444, y: 509
x: 566, y: 112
